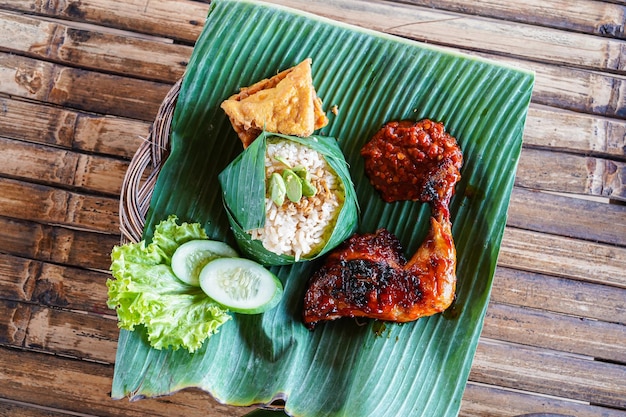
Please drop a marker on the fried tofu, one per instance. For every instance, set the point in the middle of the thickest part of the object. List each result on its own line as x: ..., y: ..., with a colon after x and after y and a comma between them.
x: 286, y: 103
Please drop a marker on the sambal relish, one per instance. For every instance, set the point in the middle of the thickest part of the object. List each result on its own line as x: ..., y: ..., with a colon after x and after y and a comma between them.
x: 404, y: 161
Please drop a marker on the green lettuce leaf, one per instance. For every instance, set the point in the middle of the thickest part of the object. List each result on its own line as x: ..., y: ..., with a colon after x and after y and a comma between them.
x: 145, y: 291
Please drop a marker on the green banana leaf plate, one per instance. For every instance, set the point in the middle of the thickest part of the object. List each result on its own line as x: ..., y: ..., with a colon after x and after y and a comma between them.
x: 341, y: 368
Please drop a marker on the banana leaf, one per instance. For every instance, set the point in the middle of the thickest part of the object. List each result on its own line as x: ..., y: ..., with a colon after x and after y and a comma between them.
x: 243, y: 188
x: 341, y: 368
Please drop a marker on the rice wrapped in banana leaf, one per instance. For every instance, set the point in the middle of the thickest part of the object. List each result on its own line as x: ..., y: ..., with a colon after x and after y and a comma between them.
x: 289, y: 199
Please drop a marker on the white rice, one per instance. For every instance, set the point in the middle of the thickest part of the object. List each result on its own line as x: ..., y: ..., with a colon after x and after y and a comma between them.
x: 300, y: 229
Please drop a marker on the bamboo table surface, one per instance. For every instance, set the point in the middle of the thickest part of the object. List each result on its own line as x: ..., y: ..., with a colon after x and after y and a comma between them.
x: 81, y: 82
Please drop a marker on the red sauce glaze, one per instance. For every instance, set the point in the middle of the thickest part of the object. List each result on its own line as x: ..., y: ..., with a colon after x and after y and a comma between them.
x: 368, y: 275
x: 419, y: 161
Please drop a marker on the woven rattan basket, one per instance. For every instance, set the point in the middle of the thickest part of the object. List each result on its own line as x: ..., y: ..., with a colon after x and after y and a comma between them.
x: 140, y: 178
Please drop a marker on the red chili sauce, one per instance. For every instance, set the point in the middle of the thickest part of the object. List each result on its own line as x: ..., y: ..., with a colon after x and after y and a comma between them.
x: 419, y: 161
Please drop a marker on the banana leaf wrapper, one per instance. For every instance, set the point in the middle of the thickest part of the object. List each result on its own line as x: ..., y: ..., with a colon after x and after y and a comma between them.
x: 243, y: 184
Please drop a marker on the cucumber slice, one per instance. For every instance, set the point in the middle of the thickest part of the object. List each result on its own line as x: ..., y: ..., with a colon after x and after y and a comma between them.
x: 241, y: 285
x: 190, y: 257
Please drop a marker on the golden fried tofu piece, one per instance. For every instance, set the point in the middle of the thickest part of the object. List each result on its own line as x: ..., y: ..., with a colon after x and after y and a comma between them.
x: 286, y: 103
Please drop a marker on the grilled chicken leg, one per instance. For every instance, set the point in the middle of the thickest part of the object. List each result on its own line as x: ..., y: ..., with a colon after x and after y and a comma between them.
x: 368, y: 275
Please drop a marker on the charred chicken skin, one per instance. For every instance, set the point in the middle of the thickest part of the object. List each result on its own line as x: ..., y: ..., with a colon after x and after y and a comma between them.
x: 368, y: 275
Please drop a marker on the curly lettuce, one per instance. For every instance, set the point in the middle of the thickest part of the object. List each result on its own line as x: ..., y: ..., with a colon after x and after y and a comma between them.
x: 145, y: 291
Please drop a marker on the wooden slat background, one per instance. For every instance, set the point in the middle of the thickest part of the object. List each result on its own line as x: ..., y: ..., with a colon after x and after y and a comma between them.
x: 81, y: 81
